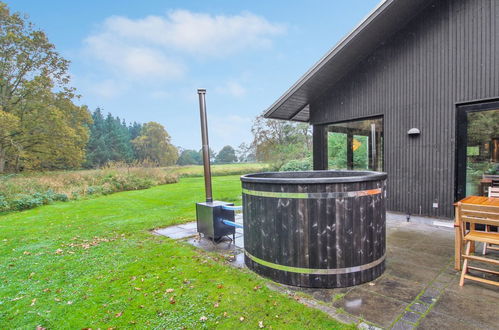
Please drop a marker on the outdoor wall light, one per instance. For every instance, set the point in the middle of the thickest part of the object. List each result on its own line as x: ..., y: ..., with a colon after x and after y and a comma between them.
x: 414, y: 132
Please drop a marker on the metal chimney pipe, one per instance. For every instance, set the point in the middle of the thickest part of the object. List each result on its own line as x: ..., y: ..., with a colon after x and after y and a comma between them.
x: 206, y: 146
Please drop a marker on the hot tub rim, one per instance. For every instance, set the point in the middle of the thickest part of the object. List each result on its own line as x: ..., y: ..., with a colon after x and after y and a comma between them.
x: 365, y: 177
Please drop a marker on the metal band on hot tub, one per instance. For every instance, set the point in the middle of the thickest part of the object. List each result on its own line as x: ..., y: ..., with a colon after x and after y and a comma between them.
x: 330, y: 271
x: 336, y: 194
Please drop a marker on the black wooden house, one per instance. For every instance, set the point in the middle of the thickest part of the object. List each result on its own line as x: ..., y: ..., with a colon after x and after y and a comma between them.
x: 416, y: 83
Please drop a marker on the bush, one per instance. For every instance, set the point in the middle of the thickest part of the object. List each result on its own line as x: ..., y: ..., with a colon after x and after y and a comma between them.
x: 24, y: 202
x: 304, y: 164
x: 4, y: 205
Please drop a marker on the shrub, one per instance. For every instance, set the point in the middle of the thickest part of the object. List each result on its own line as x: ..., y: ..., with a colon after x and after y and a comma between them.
x: 4, y: 205
x: 304, y: 164
x: 24, y: 202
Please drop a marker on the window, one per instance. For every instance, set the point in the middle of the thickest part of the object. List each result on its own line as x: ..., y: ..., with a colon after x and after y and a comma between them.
x: 356, y: 145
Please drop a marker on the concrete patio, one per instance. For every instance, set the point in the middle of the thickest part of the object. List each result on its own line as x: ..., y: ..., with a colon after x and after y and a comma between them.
x: 419, y: 289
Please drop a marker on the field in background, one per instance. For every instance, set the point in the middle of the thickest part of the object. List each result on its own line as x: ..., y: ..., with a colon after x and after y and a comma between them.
x: 29, y: 190
x: 94, y: 264
x: 219, y: 170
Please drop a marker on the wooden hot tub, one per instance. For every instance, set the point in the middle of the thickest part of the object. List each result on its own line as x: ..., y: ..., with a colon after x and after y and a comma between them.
x: 316, y: 228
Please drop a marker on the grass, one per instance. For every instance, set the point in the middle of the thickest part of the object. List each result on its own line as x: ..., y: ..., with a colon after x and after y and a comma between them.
x: 94, y: 264
x: 29, y: 190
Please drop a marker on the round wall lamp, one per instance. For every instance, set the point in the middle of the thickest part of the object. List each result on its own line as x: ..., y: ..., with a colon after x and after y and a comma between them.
x: 414, y: 132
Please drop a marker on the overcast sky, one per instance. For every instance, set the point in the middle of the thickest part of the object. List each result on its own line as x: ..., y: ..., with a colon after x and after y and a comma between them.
x: 144, y: 60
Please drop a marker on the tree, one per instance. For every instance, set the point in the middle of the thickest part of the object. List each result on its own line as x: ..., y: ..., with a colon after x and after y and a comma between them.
x: 212, y: 154
x: 117, y: 139
x: 154, y: 144
x: 9, y: 125
x: 26, y: 53
x: 189, y: 157
x: 134, y: 130
x: 226, y: 155
x: 278, y: 141
x: 45, y: 128
x: 246, y: 153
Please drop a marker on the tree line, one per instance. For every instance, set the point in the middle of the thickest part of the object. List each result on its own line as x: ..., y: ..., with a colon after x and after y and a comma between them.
x: 243, y: 154
x: 41, y: 128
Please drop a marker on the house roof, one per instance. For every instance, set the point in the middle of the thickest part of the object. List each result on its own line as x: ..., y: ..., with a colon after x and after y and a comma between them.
x: 387, y: 18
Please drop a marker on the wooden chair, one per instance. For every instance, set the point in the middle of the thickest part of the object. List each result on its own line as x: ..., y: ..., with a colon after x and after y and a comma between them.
x: 478, y: 214
x: 493, y: 192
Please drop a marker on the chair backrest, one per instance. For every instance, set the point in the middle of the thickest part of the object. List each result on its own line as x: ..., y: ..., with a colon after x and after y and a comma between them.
x: 490, y: 176
x: 493, y: 191
x: 481, y: 214
x: 495, y: 183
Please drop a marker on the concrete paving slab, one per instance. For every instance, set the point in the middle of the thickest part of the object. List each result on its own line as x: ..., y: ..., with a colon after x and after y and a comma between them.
x: 434, y: 321
x: 395, y: 288
x: 371, y: 307
x: 471, y: 309
x: 189, y: 225
x: 176, y: 232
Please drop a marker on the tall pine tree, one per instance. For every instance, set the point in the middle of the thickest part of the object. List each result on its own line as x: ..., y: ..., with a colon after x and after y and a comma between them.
x: 110, y: 140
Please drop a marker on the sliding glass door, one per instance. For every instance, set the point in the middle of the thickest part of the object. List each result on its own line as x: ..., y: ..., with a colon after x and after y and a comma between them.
x: 477, y: 148
x: 356, y: 145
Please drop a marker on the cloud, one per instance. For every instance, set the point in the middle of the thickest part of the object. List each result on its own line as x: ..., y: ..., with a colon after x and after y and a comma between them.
x: 157, y: 46
x: 132, y: 60
x: 231, y: 88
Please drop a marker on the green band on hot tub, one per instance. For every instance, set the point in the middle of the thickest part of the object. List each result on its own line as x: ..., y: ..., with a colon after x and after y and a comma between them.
x: 311, y: 271
x: 318, y: 195
x: 274, y: 194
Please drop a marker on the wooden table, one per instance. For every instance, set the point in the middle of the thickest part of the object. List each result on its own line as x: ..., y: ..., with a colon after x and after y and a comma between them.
x: 472, y: 200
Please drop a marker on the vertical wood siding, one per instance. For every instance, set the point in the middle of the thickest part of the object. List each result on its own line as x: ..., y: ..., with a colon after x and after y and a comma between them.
x: 448, y: 54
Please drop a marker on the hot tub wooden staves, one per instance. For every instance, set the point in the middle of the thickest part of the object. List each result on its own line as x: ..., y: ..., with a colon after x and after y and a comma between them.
x: 322, y: 229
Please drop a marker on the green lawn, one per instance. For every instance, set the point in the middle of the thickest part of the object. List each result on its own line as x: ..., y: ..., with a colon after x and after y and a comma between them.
x: 94, y: 264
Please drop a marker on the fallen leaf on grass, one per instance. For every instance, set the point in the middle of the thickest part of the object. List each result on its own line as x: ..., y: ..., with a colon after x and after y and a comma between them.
x: 46, y: 290
x: 118, y: 314
x: 70, y: 302
x: 59, y: 251
x: 169, y: 290
x: 39, y: 327
x: 138, y: 289
x: 225, y: 314
x: 260, y: 324
x: 256, y: 288
x: 172, y: 300
x: 57, y: 299
x: 203, y: 318
x: 31, y: 275
x: 220, y: 286
x: 17, y: 298
x: 241, y: 318
x: 27, y: 253
x: 215, y: 305
x: 33, y: 302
